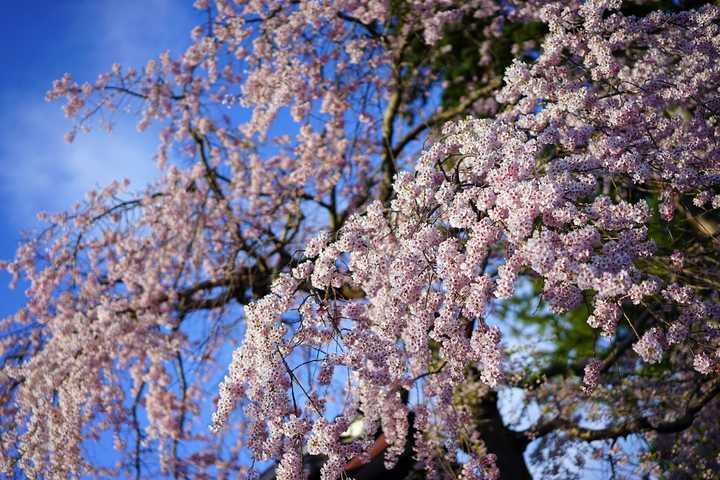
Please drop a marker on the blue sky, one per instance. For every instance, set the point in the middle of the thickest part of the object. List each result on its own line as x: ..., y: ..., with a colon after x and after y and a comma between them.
x: 41, y: 40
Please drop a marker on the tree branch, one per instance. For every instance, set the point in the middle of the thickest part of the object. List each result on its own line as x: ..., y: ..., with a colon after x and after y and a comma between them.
x: 443, y: 116
x: 138, y: 432
x: 181, y: 420
x: 369, y: 27
x: 634, y: 425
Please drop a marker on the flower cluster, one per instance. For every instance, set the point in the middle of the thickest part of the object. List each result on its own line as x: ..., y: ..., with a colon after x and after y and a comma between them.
x: 486, y: 204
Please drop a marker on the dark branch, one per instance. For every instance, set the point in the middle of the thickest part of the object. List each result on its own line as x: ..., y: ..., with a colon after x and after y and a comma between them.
x: 634, y: 425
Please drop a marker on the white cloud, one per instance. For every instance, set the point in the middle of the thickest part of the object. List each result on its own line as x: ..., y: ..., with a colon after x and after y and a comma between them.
x: 41, y: 172
x: 38, y: 171
x: 131, y: 31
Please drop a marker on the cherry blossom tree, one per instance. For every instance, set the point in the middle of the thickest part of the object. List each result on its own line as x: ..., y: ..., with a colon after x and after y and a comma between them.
x: 376, y: 226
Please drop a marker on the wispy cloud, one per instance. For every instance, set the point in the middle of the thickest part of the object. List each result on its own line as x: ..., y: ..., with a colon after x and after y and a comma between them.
x: 41, y: 172
x: 38, y: 171
x: 146, y: 28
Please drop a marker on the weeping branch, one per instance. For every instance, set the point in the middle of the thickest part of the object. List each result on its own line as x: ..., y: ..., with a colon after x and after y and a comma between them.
x: 138, y: 432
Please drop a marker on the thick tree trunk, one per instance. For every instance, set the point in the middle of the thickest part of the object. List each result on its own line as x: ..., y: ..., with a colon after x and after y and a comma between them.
x: 508, y: 445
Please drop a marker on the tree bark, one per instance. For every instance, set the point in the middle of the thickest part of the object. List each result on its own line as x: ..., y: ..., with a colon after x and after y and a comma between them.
x: 507, y: 445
